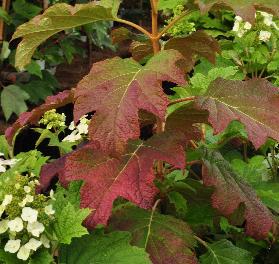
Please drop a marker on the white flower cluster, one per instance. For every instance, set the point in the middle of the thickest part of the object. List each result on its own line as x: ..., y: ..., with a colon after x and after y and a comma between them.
x: 27, y: 222
x: 78, y: 131
x: 4, y: 163
x: 241, y: 27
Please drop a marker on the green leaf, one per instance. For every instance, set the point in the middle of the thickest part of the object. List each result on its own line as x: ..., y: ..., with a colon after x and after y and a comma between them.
x: 4, y: 146
x: 55, y: 19
x: 5, y: 16
x: 179, y: 202
x: 165, y: 238
x: 25, y: 9
x: 34, y: 68
x: 9, y: 258
x: 69, y: 216
x: 69, y: 223
x: 41, y: 257
x: 113, y: 4
x: 224, y: 252
x: 13, y: 100
x: 5, y: 51
x: 113, y: 248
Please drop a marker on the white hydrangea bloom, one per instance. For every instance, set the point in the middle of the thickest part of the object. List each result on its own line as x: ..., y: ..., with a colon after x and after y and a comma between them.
x: 7, y: 200
x: 3, y: 226
x: 72, y: 126
x: 27, y: 189
x: 264, y: 35
x: 33, y: 244
x: 12, y: 245
x: 16, y: 225
x: 35, y: 228
x: 49, y: 210
x: 29, y: 215
x: 23, y: 253
x: 4, y: 163
x: 45, y: 241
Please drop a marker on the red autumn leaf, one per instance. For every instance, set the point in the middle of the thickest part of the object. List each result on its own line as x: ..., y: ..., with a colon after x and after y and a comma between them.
x: 131, y: 176
x: 231, y: 191
x: 244, y: 8
x: 121, y: 34
x: 198, y: 43
x: 255, y: 103
x: 51, y: 102
x: 117, y: 89
x: 169, y: 241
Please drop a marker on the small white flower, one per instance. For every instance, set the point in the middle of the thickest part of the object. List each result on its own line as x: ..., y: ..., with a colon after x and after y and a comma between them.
x: 264, y: 35
x: 29, y: 198
x: 236, y: 26
x: 82, y: 128
x: 35, y: 228
x: 27, y: 189
x: 2, y: 168
x: 45, y: 241
x: 247, y: 25
x: 3, y: 226
x: 49, y: 210
x: 23, y: 253
x: 16, y: 225
x: 17, y: 186
x: 51, y: 195
x: 29, y: 215
x: 7, y: 200
x: 72, y: 125
x: 12, y: 245
x: 268, y: 18
x: 33, y: 244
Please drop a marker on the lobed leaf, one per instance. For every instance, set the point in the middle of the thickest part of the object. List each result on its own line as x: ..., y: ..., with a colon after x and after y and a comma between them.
x: 165, y: 238
x: 254, y: 103
x: 244, y: 8
x: 51, y: 102
x: 129, y: 176
x: 117, y: 89
x: 198, y: 43
x: 55, y: 19
x: 231, y: 191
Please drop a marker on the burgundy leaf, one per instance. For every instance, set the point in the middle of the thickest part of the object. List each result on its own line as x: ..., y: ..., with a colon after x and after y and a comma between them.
x: 51, y: 102
x: 168, y: 241
x: 244, y: 8
x: 117, y: 89
x: 255, y: 103
x: 131, y: 176
x: 140, y: 50
x: 198, y: 43
x: 231, y: 191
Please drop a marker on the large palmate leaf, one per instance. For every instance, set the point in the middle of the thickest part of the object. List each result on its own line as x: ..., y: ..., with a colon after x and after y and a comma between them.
x: 35, y: 115
x: 165, y: 238
x: 226, y: 252
x: 55, y: 19
x: 129, y: 176
x: 231, y: 191
x: 117, y: 89
x: 255, y: 103
x: 244, y: 8
x: 113, y: 248
x: 198, y: 43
